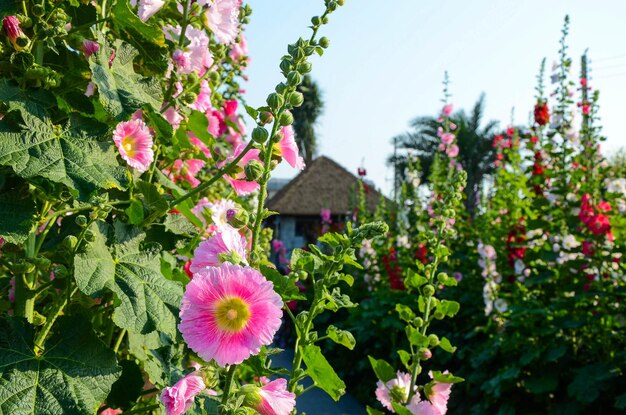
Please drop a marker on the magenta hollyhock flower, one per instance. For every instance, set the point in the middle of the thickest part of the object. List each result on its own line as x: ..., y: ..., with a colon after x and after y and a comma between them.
x: 325, y: 215
x: 186, y: 170
x: 11, y: 26
x: 111, y: 411
x: 212, y: 252
x: 447, y: 138
x: 275, y: 399
x: 134, y: 142
x: 180, y: 59
x: 148, y: 8
x: 288, y: 149
x: 239, y: 182
x: 217, y: 126
x: 90, y: 47
x: 228, y: 313
x: 223, y: 19
x: 396, y: 390
x: 447, y: 110
x: 178, y: 399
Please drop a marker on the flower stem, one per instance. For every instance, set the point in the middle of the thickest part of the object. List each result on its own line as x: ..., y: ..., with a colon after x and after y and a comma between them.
x: 229, y: 383
x: 119, y: 340
x: 41, y: 337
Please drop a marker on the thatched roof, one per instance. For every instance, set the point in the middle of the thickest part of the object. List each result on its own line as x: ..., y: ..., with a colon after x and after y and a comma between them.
x: 323, y: 184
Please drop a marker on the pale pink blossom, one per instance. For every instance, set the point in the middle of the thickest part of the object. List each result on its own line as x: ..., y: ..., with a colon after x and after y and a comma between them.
x: 396, y: 387
x: 288, y: 149
x: 447, y: 110
x: 223, y: 19
x: 217, y: 211
x: 275, y: 399
x: 239, y: 50
x: 186, y: 170
x: 212, y: 252
x: 447, y: 138
x: 173, y: 117
x: 90, y: 90
x: 203, y: 102
x: 452, y: 151
x: 148, y: 8
x: 178, y: 399
x: 228, y: 313
x: 111, y: 411
x: 197, y: 57
x: 134, y: 142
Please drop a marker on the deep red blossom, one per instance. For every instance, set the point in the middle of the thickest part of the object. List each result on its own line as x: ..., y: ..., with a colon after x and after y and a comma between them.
x: 542, y: 114
x: 587, y: 248
x: 394, y: 272
x: 421, y: 254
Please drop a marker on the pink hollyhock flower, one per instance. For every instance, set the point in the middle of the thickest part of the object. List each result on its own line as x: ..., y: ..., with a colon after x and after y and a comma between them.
x: 437, y: 403
x: 218, y: 211
x: 275, y: 399
x: 453, y: 150
x: 186, y: 170
x: 217, y: 126
x: 198, y: 57
x: 447, y: 110
x: 223, y: 19
x: 90, y: 47
x: 214, y: 251
x: 325, y: 215
x: 12, y: 290
x: 90, y: 90
x: 239, y: 182
x: 199, y: 144
x: 203, y: 102
x: 173, y: 117
x: 599, y: 224
x: 180, y: 59
x: 228, y: 313
x: 239, y: 50
x: 447, y: 138
x: 134, y: 142
x: 11, y: 26
x: 178, y: 399
x: 288, y: 149
x: 396, y: 390
x: 230, y: 113
x: 148, y: 8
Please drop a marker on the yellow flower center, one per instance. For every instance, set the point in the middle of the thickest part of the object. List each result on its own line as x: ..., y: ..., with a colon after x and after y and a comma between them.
x: 232, y: 314
x: 128, y: 143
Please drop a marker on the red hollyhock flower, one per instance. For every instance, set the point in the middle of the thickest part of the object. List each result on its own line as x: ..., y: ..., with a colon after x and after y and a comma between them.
x: 599, y: 224
x: 537, y: 169
x: 393, y: 270
x: 604, y: 206
x: 534, y: 139
x: 421, y: 253
x: 542, y: 114
x: 587, y: 248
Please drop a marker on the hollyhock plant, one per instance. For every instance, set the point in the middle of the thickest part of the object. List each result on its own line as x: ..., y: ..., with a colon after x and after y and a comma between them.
x: 178, y: 399
x: 437, y: 404
x: 186, y: 170
x: 542, y: 114
x: 203, y: 102
x: 11, y: 26
x: 228, y: 313
x: 134, y: 142
x: 90, y: 47
x: 396, y: 390
x: 288, y: 149
x: 218, y: 211
x: 223, y: 19
x: 226, y: 245
x: 238, y: 180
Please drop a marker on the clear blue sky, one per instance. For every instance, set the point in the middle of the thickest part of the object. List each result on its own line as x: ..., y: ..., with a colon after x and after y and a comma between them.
x: 387, y: 58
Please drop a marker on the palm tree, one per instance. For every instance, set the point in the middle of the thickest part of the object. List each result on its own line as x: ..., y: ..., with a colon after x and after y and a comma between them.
x: 475, y: 144
x: 305, y: 118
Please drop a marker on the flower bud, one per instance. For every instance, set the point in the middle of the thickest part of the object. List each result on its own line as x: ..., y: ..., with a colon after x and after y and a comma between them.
x: 70, y: 241
x: 189, y: 98
x: 442, y: 277
x: 294, y: 78
x: 260, y: 134
x: 340, y: 2
x: 266, y: 117
x: 428, y: 290
x: 304, y: 67
x: 286, y: 118
x: 81, y: 221
x: 418, y: 322
x: 332, y: 6
x: 285, y: 65
x: 281, y: 88
x: 237, y: 218
x: 316, y: 20
x: 433, y: 340
x: 253, y: 170
x: 296, y: 99
x: 324, y: 42
x: 90, y: 236
x: 11, y: 26
x: 439, y: 315
x: 275, y: 101
x: 424, y: 353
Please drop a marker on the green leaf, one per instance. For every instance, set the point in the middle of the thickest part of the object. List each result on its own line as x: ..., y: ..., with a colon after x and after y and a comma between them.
x: 413, y: 280
x: 415, y: 337
x: 81, y: 156
x: 28, y: 100
x: 285, y: 287
x: 547, y: 382
x: 153, y: 202
x: 17, y: 210
x: 589, y: 382
x: 252, y: 112
x: 444, y: 343
x: 335, y: 300
x: 445, y: 377
x: 322, y: 373
x: 73, y: 376
x: 342, y: 337
x: 126, y: 19
x: 148, y: 300
x: 383, y: 370
x: 121, y: 91
x: 126, y: 390
x: 372, y: 411
x: 199, y: 125
x: 134, y: 211
x: 405, y: 358
x: 405, y: 312
x: 399, y: 409
x: 449, y: 308
x: 179, y: 225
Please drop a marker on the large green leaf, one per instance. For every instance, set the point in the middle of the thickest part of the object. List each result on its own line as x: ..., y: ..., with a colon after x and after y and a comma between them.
x: 322, y: 373
x: 80, y: 155
x: 148, y: 300
x: 127, y: 20
x: 16, y: 216
x: 122, y: 91
x: 73, y: 376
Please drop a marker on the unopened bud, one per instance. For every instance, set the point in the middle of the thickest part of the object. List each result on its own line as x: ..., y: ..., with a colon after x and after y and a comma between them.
x: 324, y: 42
x: 266, y: 117
x: 11, y: 26
x: 304, y: 67
x: 296, y: 99
x: 286, y: 118
x: 433, y: 340
x: 418, y: 322
x: 428, y: 290
x: 253, y: 170
x: 316, y: 20
x: 237, y: 218
x: 424, y: 353
x: 275, y: 101
x: 294, y: 78
x: 81, y: 221
x: 260, y: 135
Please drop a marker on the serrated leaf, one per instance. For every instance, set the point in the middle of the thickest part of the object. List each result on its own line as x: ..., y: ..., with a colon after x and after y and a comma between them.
x: 415, y: 337
x: 252, y: 112
x: 73, y: 376
x: 178, y: 224
x: 322, y: 373
x: 126, y: 19
x: 126, y: 390
x: 445, y: 377
x: 449, y: 308
x: 134, y: 211
x: 149, y: 301
x: 285, y: 287
x: 121, y: 90
x: 81, y: 156
x: 343, y: 337
x: 17, y: 210
x: 383, y: 370
x: 405, y: 313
